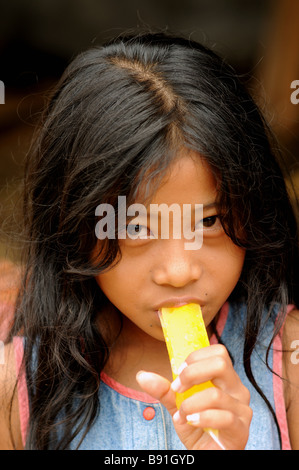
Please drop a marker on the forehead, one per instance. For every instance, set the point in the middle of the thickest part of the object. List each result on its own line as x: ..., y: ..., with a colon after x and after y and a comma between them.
x: 188, y: 180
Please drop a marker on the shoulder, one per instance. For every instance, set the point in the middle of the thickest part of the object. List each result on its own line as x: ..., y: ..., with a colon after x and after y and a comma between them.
x: 290, y: 345
x: 10, y: 432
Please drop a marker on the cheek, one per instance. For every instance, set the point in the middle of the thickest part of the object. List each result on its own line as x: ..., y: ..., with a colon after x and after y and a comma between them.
x: 111, y: 283
x: 225, y: 264
x: 231, y: 266
x: 121, y: 283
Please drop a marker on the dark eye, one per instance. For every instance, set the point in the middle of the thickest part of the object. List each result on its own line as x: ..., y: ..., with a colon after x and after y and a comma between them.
x: 210, y: 224
x: 136, y: 231
x: 209, y: 221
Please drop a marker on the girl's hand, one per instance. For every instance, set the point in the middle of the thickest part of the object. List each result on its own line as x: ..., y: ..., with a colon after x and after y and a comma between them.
x: 224, y: 407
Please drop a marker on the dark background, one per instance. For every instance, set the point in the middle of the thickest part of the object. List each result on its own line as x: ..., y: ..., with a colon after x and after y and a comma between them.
x: 38, y: 38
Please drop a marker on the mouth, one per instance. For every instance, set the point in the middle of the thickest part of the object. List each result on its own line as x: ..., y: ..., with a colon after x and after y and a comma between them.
x: 175, y: 302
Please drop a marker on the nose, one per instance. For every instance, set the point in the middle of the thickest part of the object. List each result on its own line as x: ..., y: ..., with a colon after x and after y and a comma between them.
x: 177, y: 267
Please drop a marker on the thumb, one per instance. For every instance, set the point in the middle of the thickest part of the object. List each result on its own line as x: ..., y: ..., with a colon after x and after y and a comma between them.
x: 159, y: 388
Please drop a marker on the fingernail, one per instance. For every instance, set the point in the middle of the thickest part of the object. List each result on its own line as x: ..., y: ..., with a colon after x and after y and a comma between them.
x: 176, y: 417
x: 176, y: 384
x: 193, y: 418
x: 182, y: 367
x: 143, y: 376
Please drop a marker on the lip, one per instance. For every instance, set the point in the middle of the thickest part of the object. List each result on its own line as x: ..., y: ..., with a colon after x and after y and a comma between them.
x: 178, y: 302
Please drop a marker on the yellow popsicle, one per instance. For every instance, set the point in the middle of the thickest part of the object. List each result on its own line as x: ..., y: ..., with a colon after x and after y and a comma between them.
x: 184, y: 332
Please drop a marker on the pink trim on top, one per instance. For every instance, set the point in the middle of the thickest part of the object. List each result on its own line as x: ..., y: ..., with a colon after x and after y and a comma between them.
x: 126, y: 391
x: 278, y: 391
x: 22, y: 386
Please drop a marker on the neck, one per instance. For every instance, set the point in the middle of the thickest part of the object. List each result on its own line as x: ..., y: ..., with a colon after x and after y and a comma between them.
x: 134, y: 350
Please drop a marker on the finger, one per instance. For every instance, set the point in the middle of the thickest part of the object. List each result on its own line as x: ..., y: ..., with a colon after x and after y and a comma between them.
x: 214, y: 369
x: 214, y: 398
x: 202, y: 353
x: 158, y: 387
x: 220, y: 365
x: 227, y: 423
x: 215, y: 419
x: 215, y: 363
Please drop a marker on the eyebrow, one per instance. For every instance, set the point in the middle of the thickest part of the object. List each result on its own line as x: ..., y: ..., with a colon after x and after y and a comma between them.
x: 211, y: 205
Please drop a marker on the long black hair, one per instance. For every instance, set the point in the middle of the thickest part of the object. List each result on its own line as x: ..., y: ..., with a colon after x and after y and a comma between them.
x: 116, y: 119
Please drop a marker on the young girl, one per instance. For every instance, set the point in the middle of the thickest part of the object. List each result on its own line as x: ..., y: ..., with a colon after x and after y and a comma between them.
x: 159, y: 120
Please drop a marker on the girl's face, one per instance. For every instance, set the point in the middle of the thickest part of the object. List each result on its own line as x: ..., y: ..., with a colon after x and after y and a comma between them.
x: 156, y: 272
